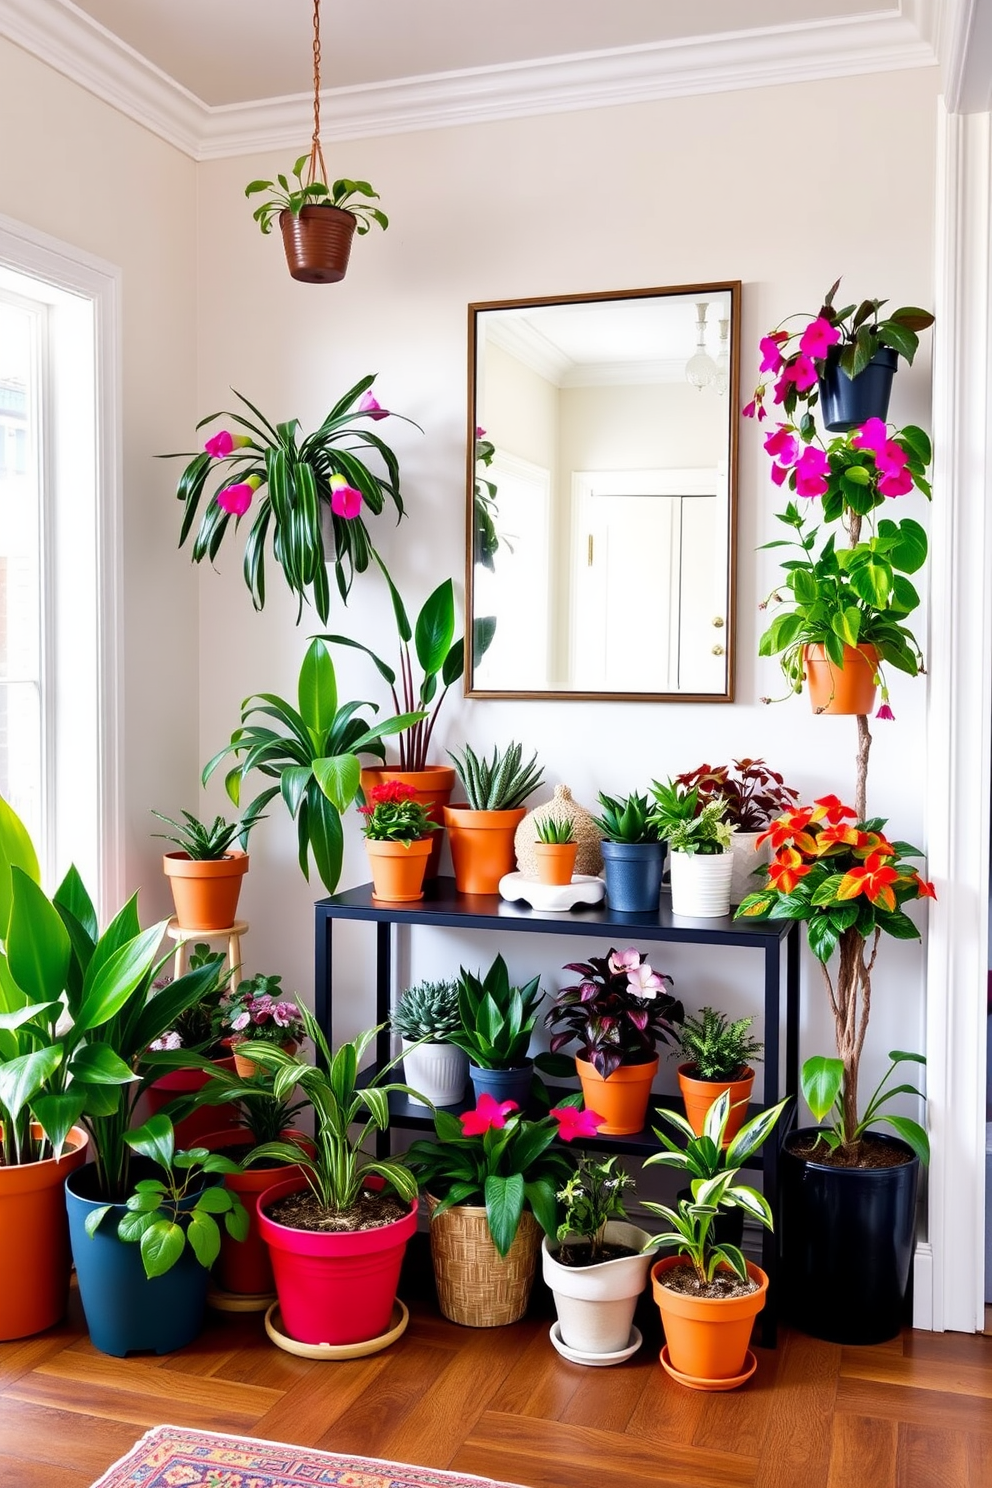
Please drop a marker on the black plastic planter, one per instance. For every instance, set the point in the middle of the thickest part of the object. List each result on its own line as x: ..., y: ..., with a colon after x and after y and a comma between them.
x: 847, y: 402
x: 847, y: 1238
x: 633, y: 875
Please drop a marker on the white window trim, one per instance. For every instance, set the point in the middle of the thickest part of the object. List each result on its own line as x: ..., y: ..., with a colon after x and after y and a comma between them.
x: 68, y: 268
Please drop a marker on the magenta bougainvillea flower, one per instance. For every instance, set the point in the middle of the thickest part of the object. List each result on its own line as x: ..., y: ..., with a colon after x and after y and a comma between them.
x: 818, y: 337
x: 236, y: 499
x: 488, y: 1114
x: 574, y: 1123
x: 345, y: 500
x: 224, y: 442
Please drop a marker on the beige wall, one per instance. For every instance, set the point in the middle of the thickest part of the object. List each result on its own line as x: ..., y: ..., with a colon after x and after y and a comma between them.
x: 73, y: 167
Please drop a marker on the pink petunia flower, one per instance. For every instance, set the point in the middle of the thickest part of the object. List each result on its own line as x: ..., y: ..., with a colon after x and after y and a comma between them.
x: 236, y: 499
x: 872, y: 435
x: 782, y: 445
x: 371, y: 406
x: 899, y: 484
x: 488, y: 1114
x: 345, y: 500
x: 818, y: 337
x: 222, y: 443
x: 574, y: 1123
x: 801, y: 372
x: 812, y: 469
x: 771, y: 356
x: 780, y: 474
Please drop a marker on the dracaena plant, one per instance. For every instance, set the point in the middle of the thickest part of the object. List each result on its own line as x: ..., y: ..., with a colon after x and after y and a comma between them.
x: 312, y: 752
x: 284, y: 196
x: 618, y: 1011
x: 849, y: 884
x: 496, y: 1019
x: 301, y: 486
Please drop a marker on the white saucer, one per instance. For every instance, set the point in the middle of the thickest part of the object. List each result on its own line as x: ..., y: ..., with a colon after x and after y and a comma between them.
x: 585, y: 888
x: 596, y: 1360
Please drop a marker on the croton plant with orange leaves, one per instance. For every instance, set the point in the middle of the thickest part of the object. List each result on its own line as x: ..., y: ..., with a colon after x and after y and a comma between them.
x: 849, y: 883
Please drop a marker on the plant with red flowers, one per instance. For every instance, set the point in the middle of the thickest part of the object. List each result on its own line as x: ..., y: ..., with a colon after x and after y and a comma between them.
x: 618, y: 1012
x: 496, y: 1157
x: 393, y: 814
x: 849, y: 883
x: 752, y: 791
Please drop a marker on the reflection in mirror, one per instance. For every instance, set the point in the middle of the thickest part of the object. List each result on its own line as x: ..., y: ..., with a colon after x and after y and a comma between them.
x: 602, y: 492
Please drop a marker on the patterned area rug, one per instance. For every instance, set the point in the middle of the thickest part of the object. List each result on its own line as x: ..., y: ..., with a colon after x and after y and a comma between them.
x: 172, y: 1457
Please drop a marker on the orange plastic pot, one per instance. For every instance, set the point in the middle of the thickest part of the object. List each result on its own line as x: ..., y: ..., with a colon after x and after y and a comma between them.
x: 707, y: 1337
x: 555, y: 861
x: 34, y: 1240
x: 243, y: 1266
x: 206, y: 893
x: 622, y: 1098
x: 247, y: 1068
x: 205, y: 1118
x: 398, y: 869
x: 432, y: 786
x: 698, y: 1095
x: 846, y: 689
x: 482, y: 849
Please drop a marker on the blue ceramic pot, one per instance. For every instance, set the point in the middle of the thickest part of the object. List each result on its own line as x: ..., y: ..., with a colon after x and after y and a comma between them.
x: 848, y: 402
x: 504, y: 1085
x: 125, y: 1311
x: 633, y: 875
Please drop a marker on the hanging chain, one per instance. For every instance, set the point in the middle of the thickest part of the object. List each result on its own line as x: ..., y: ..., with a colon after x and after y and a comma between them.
x: 316, y: 153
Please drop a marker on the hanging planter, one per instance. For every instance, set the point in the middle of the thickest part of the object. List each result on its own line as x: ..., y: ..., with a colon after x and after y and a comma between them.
x: 317, y: 242
x: 842, y: 689
x: 848, y: 402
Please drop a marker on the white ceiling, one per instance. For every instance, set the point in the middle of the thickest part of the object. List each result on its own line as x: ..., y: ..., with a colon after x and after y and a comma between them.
x: 228, y: 77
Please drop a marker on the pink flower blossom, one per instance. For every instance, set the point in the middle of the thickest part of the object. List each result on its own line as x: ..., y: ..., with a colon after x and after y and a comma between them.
x: 749, y: 410
x: 222, y: 443
x: 771, y: 356
x: 345, y: 500
x: 872, y: 435
x: 643, y: 982
x: 285, y: 1013
x: 779, y: 474
x: 480, y: 432
x: 628, y: 960
x: 811, y: 472
x: 818, y: 337
x: 886, y: 713
x: 170, y: 1040
x: 487, y: 1114
x: 896, y: 485
x: 782, y: 445
x: 236, y: 499
x: 800, y: 371
x: 574, y: 1123
x: 371, y: 406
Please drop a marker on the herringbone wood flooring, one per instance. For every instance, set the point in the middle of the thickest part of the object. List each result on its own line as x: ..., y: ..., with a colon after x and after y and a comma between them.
x: 914, y: 1413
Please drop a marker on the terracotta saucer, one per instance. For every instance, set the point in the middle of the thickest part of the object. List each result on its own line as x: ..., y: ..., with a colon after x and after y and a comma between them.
x: 239, y: 1301
x: 397, y: 1326
x: 750, y: 1365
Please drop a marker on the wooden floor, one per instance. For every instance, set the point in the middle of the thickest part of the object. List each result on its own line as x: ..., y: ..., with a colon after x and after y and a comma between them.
x: 914, y: 1413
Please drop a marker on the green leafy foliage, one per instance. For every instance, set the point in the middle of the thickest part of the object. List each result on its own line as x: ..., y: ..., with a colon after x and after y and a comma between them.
x: 716, y: 1047
x: 485, y: 538
x: 208, y: 842
x: 592, y: 1197
x: 285, y: 197
x: 496, y: 1020
x: 689, y: 826
x: 554, y: 829
x: 823, y: 1091
x: 498, y: 784
x: 752, y: 791
x: 625, y: 819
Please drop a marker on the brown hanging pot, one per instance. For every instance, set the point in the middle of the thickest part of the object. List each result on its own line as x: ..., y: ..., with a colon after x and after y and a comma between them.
x: 318, y: 243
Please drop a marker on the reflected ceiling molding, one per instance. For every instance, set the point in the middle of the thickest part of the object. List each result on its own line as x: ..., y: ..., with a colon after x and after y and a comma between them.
x: 68, y: 40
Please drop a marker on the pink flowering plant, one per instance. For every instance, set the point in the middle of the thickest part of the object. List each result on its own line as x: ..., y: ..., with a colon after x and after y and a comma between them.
x: 495, y: 1156
x: 257, y: 1009
x: 618, y: 1012
x: 297, y: 486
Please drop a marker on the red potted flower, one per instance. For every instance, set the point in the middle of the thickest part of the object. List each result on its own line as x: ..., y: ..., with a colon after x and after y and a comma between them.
x: 397, y: 828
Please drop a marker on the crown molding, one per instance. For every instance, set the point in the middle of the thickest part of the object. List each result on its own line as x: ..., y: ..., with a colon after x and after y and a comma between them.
x: 63, y: 36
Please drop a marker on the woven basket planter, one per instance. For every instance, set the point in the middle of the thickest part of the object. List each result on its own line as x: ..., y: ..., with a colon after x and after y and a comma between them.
x: 476, y: 1286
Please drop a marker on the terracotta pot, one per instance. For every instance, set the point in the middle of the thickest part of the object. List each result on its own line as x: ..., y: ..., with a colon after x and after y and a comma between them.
x: 707, y: 1337
x: 205, y: 893
x: 247, y: 1068
x: 398, y: 869
x: 433, y: 786
x: 482, y: 849
x: 243, y: 1266
x: 622, y: 1099
x: 318, y: 243
x: 698, y: 1095
x: 847, y: 689
x: 34, y: 1240
x: 555, y: 861
x: 204, y: 1118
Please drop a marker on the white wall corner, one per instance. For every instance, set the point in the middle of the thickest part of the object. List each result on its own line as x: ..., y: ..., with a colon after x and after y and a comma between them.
x: 965, y: 50
x: 960, y: 708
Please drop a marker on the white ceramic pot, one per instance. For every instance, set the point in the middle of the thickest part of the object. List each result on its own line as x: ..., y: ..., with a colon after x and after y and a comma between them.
x: 747, y: 858
x: 701, y: 884
x: 596, y: 1303
x: 438, y: 1071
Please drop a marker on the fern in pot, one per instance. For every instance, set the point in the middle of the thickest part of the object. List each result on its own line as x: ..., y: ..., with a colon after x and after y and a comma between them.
x: 481, y: 832
x: 715, y: 1053
x: 699, y: 849
x: 424, y: 1016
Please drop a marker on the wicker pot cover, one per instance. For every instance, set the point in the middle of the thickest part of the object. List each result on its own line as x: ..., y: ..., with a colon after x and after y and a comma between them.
x: 588, y: 858
x: 476, y: 1286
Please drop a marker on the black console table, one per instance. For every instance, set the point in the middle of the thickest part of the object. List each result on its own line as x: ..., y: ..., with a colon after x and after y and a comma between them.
x: 442, y: 907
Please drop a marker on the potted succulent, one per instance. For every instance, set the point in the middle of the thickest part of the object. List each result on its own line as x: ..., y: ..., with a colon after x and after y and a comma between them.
x: 398, y: 831
x: 844, y: 358
x: 715, y: 1051
x: 441, y: 658
x: 598, y: 1267
x: 152, y: 1297
x: 753, y: 793
x: 336, y: 1237
x: 555, y: 849
x: 424, y: 1017
x: 205, y: 874
x: 296, y: 483
x: 618, y: 1012
x: 318, y: 222
x: 633, y: 853
x: 491, y: 1180
x: 256, y: 1011
x: 846, y: 1190
x: 496, y: 1021
x: 698, y: 838
x: 481, y: 832
x: 707, y: 1293
x: 312, y: 752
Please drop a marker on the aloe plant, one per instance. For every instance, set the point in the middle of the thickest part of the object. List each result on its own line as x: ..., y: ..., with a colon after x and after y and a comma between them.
x: 499, y: 784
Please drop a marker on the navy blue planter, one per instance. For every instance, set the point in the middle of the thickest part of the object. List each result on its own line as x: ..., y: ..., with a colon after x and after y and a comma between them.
x: 503, y: 1085
x: 125, y: 1312
x: 847, y: 1239
x: 847, y: 402
x: 633, y: 875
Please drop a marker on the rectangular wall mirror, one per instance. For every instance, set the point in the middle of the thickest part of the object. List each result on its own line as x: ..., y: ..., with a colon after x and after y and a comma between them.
x: 602, y: 494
